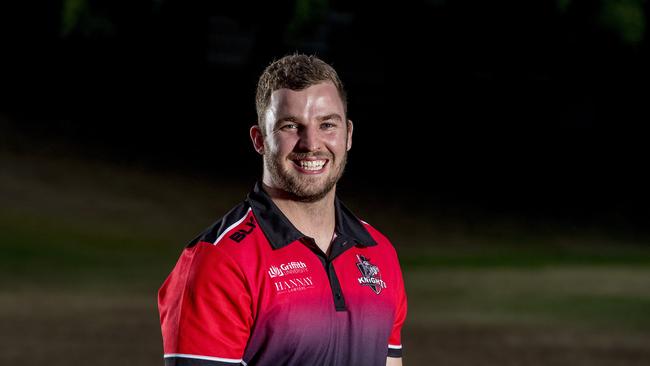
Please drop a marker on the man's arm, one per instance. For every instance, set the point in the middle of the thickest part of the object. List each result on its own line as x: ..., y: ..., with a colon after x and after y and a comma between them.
x: 205, y: 309
x: 393, y: 361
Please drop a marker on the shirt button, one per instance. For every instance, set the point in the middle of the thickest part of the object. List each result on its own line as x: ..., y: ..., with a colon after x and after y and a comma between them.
x: 343, y: 244
x: 338, y: 296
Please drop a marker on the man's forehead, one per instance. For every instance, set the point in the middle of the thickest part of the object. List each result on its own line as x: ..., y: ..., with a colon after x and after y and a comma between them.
x: 315, y: 97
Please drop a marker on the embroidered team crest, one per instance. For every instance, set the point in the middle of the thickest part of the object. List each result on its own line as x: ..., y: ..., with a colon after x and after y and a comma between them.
x: 370, y: 275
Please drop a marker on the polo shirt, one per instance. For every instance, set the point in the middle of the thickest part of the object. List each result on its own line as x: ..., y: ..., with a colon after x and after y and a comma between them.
x: 253, y: 290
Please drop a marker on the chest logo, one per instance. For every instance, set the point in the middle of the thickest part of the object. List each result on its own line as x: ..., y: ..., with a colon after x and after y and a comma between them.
x: 370, y: 275
x: 287, y: 269
x: 290, y: 277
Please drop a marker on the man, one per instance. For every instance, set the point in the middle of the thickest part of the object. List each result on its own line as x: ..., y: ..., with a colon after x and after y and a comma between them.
x: 290, y: 276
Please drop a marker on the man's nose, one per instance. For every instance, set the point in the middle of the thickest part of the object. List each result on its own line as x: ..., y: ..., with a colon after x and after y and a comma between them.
x: 309, y: 139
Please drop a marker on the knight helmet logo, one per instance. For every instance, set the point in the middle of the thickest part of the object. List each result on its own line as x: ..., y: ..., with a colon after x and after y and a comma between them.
x: 370, y: 275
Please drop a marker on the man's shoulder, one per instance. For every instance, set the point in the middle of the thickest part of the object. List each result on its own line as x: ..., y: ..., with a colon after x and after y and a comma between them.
x: 229, y: 244
x: 377, y: 235
x: 384, y: 247
x: 227, y: 228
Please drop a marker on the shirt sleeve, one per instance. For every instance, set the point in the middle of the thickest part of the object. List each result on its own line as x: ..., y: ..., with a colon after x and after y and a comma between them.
x: 205, y: 309
x: 395, y: 339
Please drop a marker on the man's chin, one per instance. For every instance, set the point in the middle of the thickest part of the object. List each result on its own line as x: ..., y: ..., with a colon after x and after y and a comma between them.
x: 310, y: 193
x: 311, y: 196
x: 310, y: 190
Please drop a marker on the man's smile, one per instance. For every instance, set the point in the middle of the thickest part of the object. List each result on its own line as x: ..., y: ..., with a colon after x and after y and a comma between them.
x: 310, y: 166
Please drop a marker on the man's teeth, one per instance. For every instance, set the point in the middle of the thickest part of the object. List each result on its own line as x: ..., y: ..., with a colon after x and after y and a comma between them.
x: 311, y: 164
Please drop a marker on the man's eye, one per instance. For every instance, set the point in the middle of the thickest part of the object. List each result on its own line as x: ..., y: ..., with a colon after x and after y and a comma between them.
x: 289, y: 126
x: 328, y: 125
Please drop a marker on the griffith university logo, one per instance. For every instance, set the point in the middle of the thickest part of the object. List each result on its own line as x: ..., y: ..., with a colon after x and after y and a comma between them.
x: 370, y: 275
x: 293, y: 284
x: 287, y: 269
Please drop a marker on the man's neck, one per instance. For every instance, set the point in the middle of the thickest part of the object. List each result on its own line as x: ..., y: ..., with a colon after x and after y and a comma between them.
x: 314, y: 219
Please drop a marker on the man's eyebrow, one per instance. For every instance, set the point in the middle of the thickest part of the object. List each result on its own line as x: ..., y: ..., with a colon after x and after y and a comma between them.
x: 331, y: 116
x: 286, y: 119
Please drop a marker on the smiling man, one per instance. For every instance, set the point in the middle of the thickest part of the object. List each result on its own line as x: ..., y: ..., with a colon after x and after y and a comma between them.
x: 289, y: 276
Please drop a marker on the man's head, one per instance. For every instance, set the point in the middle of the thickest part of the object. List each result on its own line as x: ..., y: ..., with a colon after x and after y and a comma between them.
x: 302, y: 130
x: 295, y: 72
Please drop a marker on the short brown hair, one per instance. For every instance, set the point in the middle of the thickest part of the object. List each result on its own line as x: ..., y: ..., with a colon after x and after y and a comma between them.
x: 295, y: 72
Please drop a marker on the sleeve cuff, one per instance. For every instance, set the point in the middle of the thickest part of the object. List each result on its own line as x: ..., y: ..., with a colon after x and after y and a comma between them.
x: 195, y: 360
x: 394, y: 350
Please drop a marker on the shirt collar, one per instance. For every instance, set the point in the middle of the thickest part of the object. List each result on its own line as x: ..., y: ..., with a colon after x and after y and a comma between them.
x: 280, y: 231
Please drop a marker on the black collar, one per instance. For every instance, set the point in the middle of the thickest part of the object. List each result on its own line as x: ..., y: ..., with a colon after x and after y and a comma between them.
x: 280, y: 231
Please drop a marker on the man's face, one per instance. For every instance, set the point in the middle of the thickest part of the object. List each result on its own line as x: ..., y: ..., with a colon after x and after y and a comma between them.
x: 306, y: 139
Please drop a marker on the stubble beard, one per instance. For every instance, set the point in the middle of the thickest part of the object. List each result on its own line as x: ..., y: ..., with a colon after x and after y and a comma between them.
x: 299, y: 186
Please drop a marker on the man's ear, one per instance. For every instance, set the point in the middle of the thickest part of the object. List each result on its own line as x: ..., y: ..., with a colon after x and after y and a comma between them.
x: 349, y: 139
x: 257, y: 138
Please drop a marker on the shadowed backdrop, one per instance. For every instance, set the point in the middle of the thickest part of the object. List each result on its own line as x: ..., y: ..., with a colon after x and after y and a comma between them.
x: 500, y: 146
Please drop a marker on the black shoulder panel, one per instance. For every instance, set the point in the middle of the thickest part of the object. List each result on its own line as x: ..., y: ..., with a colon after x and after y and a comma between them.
x: 215, y: 230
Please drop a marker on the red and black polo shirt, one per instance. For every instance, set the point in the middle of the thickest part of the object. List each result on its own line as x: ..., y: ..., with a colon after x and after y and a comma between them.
x: 253, y: 290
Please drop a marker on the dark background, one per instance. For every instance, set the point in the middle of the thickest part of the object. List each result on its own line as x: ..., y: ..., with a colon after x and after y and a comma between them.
x: 534, y: 109
x: 500, y: 145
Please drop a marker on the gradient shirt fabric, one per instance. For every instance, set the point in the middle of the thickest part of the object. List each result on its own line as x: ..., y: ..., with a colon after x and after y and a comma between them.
x: 253, y: 290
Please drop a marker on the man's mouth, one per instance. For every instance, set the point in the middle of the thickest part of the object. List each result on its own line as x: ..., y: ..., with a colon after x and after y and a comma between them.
x: 311, y: 165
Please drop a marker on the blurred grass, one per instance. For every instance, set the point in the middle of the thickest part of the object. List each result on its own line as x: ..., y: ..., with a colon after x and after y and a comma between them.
x: 583, y: 297
x: 67, y: 221
x: 85, y: 246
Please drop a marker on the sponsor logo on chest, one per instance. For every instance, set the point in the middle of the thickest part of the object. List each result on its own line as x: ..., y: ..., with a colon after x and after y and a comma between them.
x: 294, y: 284
x: 287, y: 269
x: 290, y: 277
